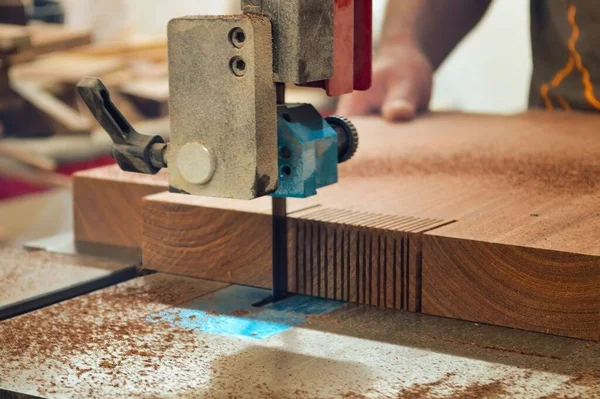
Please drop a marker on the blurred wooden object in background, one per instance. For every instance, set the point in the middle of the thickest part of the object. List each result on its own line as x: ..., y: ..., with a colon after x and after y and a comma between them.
x: 12, y: 12
x: 19, y: 44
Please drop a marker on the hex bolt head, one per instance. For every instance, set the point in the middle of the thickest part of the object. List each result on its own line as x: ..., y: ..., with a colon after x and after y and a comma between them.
x: 237, y: 37
x: 238, y: 66
x: 195, y: 163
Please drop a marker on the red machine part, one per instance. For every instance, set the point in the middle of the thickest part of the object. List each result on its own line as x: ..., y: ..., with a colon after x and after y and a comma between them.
x: 352, y: 48
x: 363, y: 44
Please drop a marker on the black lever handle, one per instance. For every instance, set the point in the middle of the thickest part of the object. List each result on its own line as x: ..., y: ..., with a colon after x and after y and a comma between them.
x: 134, y: 152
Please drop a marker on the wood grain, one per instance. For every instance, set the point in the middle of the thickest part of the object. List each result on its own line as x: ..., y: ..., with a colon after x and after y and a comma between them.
x: 515, y: 286
x: 355, y: 256
x: 525, y: 191
x: 332, y: 253
x: 222, y: 240
x: 107, y: 205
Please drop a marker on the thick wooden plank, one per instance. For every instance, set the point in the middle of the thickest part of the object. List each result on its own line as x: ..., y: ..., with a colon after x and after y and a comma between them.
x: 528, y: 181
x: 107, y: 205
x: 528, y: 288
x: 57, y: 111
x: 525, y: 189
x: 47, y: 38
x: 230, y: 241
x: 216, y: 239
x: 227, y: 241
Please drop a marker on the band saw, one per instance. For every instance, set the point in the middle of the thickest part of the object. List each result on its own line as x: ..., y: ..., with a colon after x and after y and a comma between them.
x: 232, y: 133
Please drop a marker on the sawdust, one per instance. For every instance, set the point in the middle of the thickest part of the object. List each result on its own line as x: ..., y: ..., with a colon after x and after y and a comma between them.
x: 588, y: 378
x: 241, y: 313
x: 493, y: 347
x: 353, y: 395
x: 24, y: 273
x: 124, y: 346
x: 418, y: 391
x: 113, y: 343
x: 475, y: 390
x: 479, y: 390
x: 544, y: 171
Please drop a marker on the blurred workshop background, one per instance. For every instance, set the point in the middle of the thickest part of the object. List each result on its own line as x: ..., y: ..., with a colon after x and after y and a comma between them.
x: 46, y: 134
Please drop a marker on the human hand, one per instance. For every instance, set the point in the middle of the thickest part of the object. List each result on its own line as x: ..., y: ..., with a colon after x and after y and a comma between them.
x: 402, y: 83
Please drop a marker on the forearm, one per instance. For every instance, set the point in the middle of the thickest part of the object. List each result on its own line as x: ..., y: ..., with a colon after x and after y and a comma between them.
x: 435, y: 26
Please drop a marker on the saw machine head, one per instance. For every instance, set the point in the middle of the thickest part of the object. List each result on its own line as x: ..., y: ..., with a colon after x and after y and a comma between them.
x: 232, y: 135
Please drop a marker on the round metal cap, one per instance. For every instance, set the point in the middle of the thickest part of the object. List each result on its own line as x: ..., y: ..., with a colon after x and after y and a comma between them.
x: 195, y: 163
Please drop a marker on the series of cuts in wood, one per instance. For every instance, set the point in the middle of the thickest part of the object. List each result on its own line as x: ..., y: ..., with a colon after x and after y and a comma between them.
x: 353, y: 256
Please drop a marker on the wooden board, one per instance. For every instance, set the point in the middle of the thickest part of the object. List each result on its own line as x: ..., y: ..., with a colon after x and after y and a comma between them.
x: 107, y: 205
x: 151, y: 95
x: 222, y: 240
x: 332, y: 253
x: 59, y: 113
x: 13, y: 38
x: 47, y: 38
x: 524, y: 251
x: 359, y: 257
x: 52, y: 67
x: 525, y: 191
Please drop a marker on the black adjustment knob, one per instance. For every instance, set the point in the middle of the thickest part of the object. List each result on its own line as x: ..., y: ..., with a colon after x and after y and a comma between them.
x: 347, y: 137
x: 134, y: 152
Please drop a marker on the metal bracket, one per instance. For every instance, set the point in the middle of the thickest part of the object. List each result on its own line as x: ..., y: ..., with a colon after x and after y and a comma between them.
x: 222, y: 107
x: 303, y: 32
x: 310, y: 149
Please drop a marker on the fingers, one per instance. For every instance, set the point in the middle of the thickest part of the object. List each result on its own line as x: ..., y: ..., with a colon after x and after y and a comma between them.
x: 402, y: 101
x: 402, y: 82
x: 398, y: 97
x: 398, y: 109
x: 408, y: 95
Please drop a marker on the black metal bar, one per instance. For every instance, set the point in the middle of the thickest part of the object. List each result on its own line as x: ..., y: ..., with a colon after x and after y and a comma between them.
x: 279, y: 249
x: 280, y: 240
x: 51, y: 298
x: 4, y: 394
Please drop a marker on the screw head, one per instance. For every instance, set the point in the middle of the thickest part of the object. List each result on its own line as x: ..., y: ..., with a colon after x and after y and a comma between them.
x: 195, y: 163
x: 238, y: 66
x: 237, y: 37
x: 285, y: 153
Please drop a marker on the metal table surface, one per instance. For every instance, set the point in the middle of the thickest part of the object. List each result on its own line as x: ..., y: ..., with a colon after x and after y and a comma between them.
x: 163, y: 336
x: 31, y: 279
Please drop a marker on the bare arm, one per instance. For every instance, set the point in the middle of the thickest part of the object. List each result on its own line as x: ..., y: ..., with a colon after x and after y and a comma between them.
x: 418, y: 35
x: 435, y: 26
